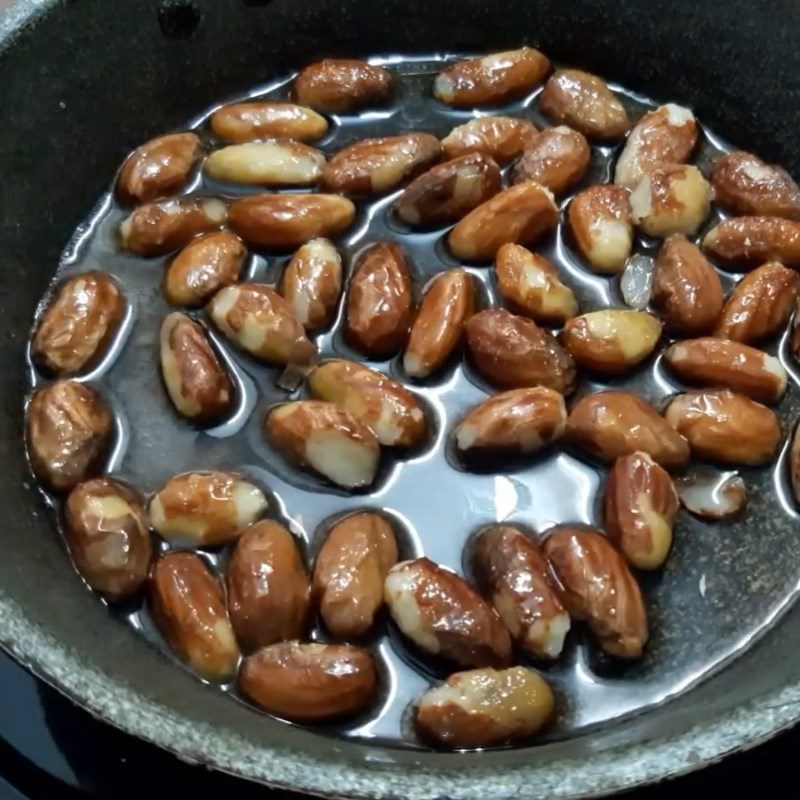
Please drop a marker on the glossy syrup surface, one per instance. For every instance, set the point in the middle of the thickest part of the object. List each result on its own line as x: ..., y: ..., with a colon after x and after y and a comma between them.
x: 724, y: 583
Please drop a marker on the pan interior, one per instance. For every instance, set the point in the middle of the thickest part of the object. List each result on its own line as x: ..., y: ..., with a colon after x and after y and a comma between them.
x: 724, y: 585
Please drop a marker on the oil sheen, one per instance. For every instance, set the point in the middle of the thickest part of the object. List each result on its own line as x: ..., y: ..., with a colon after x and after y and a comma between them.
x: 721, y: 587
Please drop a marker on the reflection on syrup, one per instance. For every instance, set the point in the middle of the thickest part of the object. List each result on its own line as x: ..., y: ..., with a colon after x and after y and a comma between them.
x: 436, y: 507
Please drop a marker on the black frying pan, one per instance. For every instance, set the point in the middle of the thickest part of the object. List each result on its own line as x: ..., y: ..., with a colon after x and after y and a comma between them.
x: 83, y: 81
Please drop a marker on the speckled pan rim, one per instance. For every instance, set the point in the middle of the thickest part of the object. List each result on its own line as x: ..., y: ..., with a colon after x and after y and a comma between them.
x: 20, y: 16
x: 387, y: 775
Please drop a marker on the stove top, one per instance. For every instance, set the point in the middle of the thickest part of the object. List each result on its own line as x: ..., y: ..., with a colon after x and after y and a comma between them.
x: 52, y: 750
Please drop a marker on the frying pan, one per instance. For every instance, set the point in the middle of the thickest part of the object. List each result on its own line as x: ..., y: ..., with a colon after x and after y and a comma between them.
x: 82, y: 82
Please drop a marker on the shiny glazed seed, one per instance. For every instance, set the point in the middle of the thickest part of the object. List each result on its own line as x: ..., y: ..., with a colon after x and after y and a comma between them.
x: 248, y: 122
x: 520, y: 214
x: 746, y: 242
x: 109, y: 536
x: 256, y: 318
x: 610, y: 424
x: 484, y: 707
x: 268, y: 587
x: 531, y: 286
x: 640, y: 506
x: 188, y: 608
x: 670, y: 199
x: 597, y: 587
x: 284, y: 221
x: 198, y: 385
x: 512, y: 571
x: 379, y: 303
x: 557, y: 158
x: 376, y: 166
x: 600, y: 222
x: 491, y: 79
x: 312, y: 283
x: 78, y: 327
x: 158, y: 228
x: 713, y: 495
x: 205, y: 508
x: 342, y: 85
x: 500, y: 138
x: 443, y: 615
x: 731, y: 365
x: 326, y: 439
x: 311, y: 682
x: 69, y: 433
x: 158, y: 168
x: 513, y: 352
x: 449, y: 191
x: 388, y: 409
x: 584, y: 102
x: 203, y: 267
x: 611, y: 341
x: 666, y: 135
x: 267, y: 163
x: 759, y: 305
x: 350, y: 571
x: 744, y: 184
x: 438, y: 327
x: 687, y: 292
x: 725, y: 427
x: 522, y: 420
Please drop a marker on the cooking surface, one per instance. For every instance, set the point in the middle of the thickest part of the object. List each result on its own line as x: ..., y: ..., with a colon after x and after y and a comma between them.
x: 720, y: 588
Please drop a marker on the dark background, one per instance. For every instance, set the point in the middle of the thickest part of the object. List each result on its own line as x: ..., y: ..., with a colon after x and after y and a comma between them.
x: 52, y: 750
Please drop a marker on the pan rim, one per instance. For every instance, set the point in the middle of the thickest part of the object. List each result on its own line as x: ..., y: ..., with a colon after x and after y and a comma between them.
x: 351, y: 775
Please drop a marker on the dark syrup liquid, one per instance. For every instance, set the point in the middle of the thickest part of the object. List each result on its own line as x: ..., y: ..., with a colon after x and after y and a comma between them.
x: 723, y: 585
